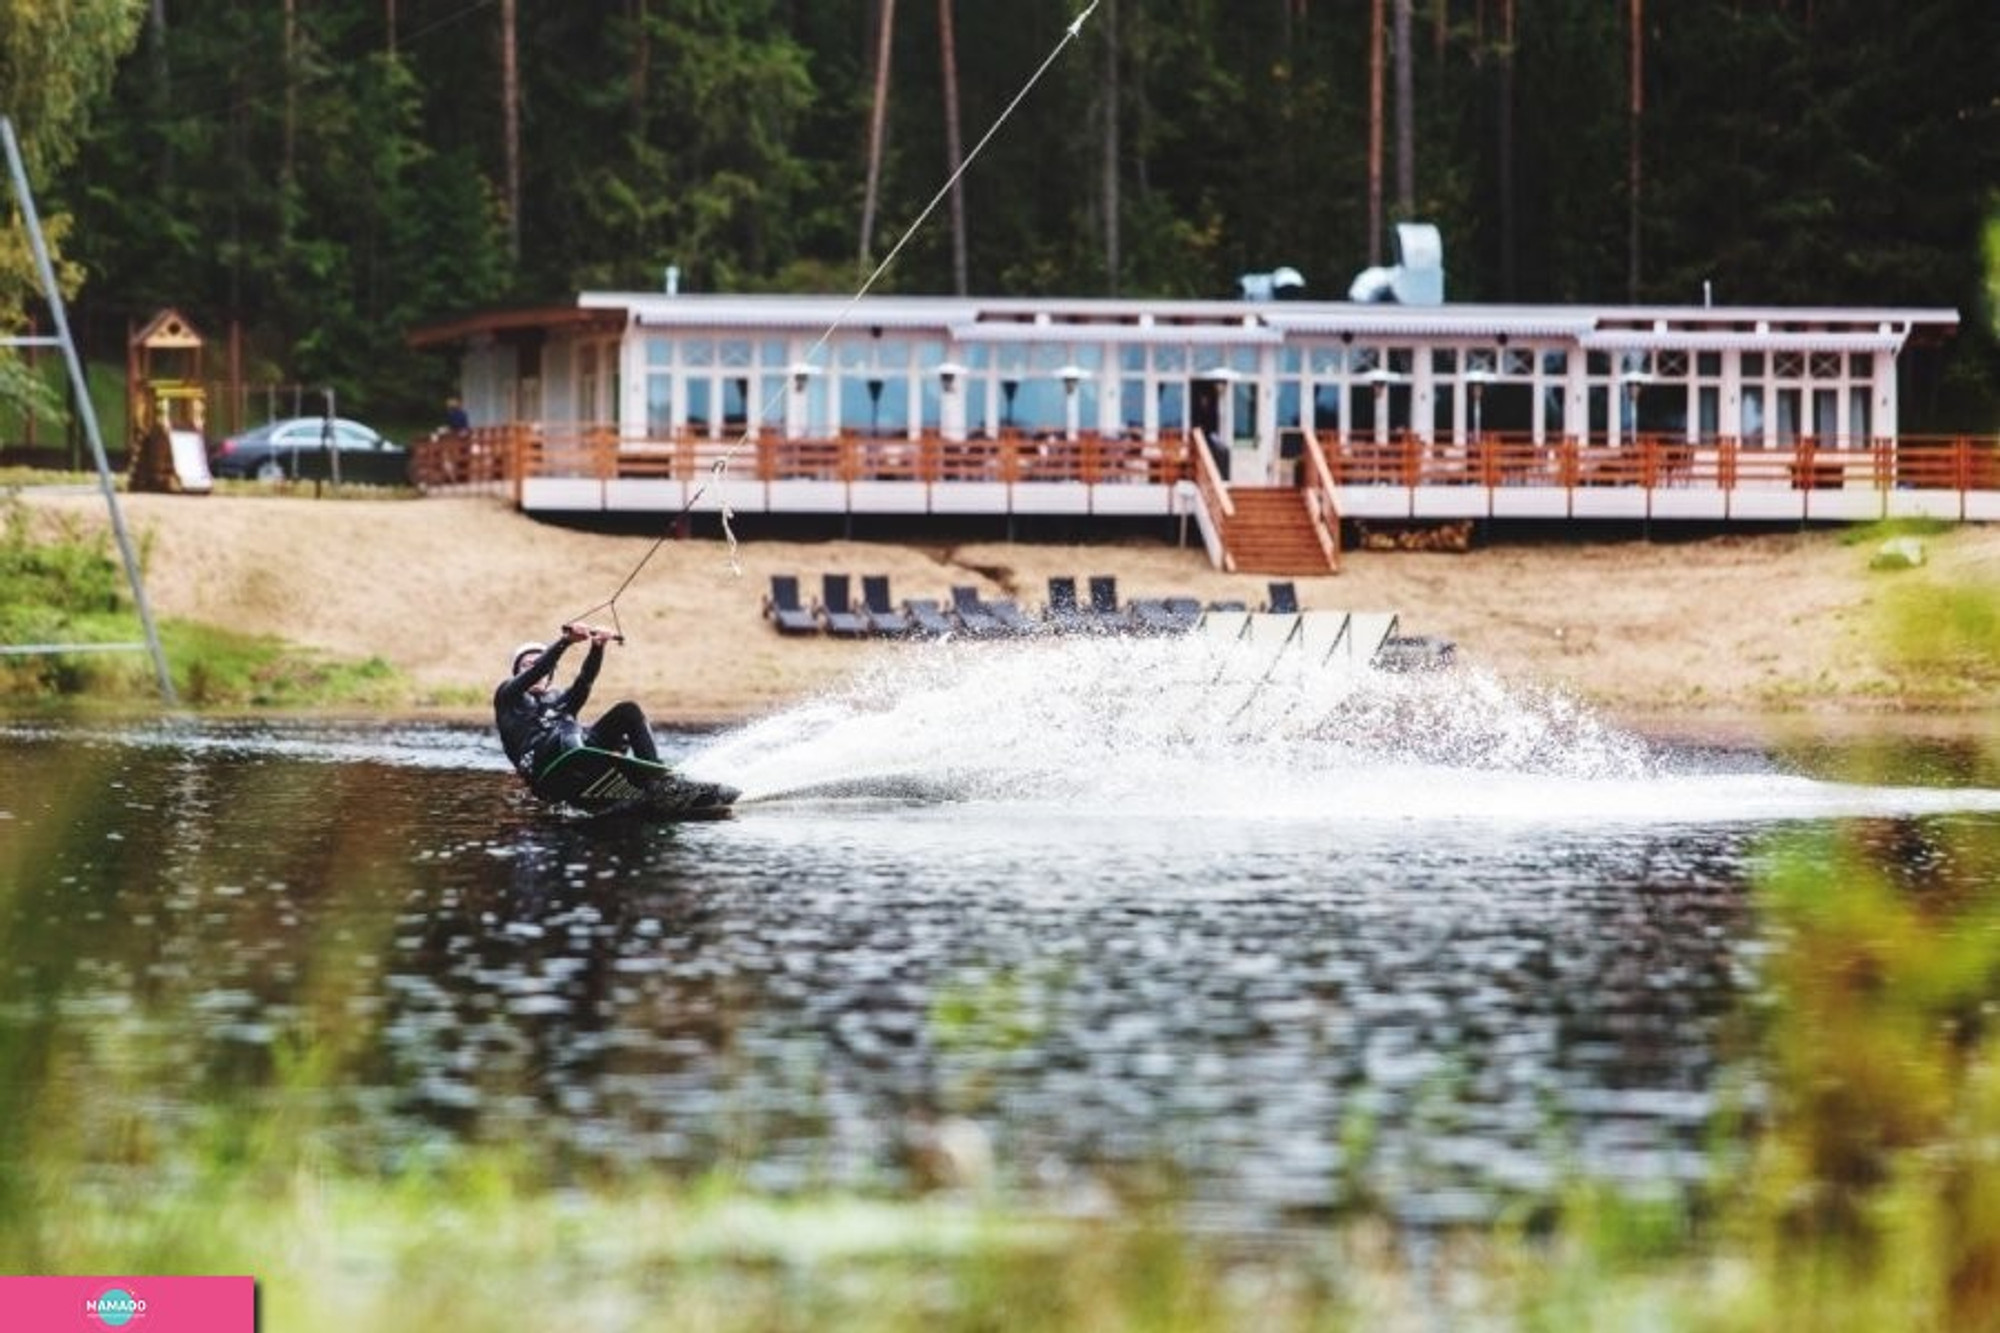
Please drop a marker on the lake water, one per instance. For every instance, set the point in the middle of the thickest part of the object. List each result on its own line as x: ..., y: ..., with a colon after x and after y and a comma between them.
x: 1060, y: 920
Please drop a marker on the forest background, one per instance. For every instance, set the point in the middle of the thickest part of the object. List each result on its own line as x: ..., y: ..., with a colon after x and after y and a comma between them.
x: 320, y: 176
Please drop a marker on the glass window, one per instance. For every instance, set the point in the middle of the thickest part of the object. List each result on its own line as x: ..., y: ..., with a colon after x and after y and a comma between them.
x: 736, y: 352
x: 1328, y: 360
x: 1858, y: 424
x: 1555, y: 363
x: 1169, y: 360
x: 1753, y: 365
x: 1326, y: 407
x: 1708, y: 365
x: 1444, y: 360
x: 1132, y: 404
x: 1753, y: 416
x: 659, y: 351
x: 698, y: 406
x: 698, y: 352
x: 659, y: 405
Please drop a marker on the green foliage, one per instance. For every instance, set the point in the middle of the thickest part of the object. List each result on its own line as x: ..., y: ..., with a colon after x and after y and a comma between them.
x: 60, y: 583
x: 56, y: 60
x: 326, y: 192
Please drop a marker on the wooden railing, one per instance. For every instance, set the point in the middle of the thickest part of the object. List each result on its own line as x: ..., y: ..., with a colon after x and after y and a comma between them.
x: 1322, y: 501
x: 501, y: 458
x: 507, y: 454
x: 1221, y: 510
x: 1956, y: 463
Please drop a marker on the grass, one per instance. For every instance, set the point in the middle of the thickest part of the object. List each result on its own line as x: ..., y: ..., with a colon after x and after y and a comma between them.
x: 60, y: 583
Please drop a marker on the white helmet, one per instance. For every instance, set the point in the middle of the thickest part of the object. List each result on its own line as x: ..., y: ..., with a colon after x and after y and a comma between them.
x: 526, y: 649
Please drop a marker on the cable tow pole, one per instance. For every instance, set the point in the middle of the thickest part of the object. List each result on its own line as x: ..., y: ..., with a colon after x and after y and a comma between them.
x: 718, y: 472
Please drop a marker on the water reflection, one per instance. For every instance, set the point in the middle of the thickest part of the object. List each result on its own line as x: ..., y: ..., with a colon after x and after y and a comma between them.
x: 1279, y: 1017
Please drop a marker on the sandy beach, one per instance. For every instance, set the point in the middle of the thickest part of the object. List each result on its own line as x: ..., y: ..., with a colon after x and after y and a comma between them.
x: 442, y: 588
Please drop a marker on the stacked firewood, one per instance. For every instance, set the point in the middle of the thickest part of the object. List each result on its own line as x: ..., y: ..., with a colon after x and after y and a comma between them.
x: 1455, y: 536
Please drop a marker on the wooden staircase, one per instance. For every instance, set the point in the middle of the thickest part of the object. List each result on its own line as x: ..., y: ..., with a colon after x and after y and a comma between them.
x: 1272, y: 532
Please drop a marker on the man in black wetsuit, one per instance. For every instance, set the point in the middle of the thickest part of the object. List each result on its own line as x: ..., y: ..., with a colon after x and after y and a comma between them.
x: 537, y: 722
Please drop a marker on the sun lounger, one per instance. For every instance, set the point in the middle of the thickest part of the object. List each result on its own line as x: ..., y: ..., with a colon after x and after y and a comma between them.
x: 1164, y: 615
x: 928, y: 618
x: 1008, y: 612
x: 1421, y: 652
x: 881, y: 613
x: 972, y: 615
x: 1284, y: 598
x: 836, y: 609
x: 1105, y: 615
x: 783, y: 608
x: 1062, y: 614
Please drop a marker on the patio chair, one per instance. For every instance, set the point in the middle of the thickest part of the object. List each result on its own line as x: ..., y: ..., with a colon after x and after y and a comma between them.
x: 881, y: 613
x: 1284, y: 598
x: 783, y: 608
x: 836, y: 609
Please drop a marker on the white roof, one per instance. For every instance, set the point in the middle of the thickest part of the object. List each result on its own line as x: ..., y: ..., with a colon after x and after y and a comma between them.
x: 1089, y: 319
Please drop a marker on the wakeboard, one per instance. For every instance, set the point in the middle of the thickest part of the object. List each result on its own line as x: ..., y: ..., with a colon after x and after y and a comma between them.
x: 604, y: 784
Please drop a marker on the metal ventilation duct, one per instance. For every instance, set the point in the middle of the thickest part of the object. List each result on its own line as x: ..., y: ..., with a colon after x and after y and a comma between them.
x: 1417, y: 280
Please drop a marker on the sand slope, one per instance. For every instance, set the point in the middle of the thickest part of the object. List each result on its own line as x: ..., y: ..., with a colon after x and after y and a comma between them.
x: 444, y: 587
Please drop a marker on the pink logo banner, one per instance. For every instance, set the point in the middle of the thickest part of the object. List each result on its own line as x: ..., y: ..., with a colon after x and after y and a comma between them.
x: 142, y: 1304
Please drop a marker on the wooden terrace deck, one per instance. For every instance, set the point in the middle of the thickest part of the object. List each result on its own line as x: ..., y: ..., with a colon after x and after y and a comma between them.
x: 591, y: 469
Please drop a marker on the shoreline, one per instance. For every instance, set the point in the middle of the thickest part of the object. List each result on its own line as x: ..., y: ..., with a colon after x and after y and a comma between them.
x: 1765, y: 626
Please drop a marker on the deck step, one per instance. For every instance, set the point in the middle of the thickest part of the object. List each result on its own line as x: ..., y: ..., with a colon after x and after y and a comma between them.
x: 1271, y: 532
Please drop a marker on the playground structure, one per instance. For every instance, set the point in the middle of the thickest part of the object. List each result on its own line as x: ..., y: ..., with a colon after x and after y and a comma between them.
x: 166, y: 407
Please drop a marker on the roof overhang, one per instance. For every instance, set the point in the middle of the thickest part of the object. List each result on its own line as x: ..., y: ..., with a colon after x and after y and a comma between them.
x: 520, y: 323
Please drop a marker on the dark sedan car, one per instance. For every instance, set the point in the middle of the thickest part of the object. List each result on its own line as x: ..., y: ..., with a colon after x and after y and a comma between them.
x: 298, y: 446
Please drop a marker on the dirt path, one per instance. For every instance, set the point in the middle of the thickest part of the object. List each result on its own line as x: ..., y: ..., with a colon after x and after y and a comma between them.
x: 443, y: 588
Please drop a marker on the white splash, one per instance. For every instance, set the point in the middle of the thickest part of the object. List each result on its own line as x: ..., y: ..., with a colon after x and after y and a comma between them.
x: 1195, y: 728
